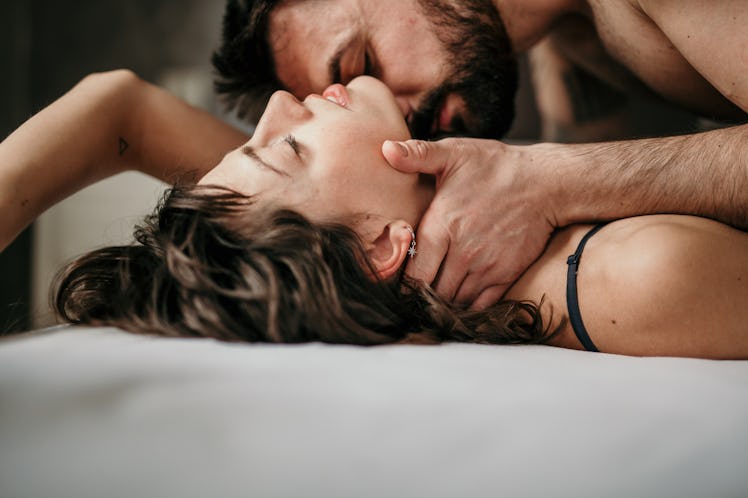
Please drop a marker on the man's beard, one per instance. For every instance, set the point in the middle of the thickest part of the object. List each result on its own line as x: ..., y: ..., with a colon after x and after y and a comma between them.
x: 483, y: 70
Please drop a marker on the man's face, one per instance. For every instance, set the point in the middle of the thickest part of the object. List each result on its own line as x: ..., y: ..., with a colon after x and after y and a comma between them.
x: 450, y: 67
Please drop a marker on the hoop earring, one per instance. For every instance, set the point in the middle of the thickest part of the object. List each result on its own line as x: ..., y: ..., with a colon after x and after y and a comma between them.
x: 412, y: 249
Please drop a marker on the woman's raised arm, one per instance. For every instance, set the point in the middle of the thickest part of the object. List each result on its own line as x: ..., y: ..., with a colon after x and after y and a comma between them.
x: 108, y: 123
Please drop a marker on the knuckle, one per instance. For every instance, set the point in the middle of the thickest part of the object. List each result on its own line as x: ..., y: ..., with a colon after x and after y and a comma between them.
x: 452, y: 222
x: 464, y: 259
x: 420, y: 149
x: 442, y: 212
x: 435, y: 223
x: 450, y: 142
x: 455, y: 148
x: 432, y: 236
x: 429, y: 237
x: 471, y: 254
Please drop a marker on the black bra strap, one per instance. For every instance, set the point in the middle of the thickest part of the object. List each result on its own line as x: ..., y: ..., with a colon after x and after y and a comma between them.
x: 572, y: 299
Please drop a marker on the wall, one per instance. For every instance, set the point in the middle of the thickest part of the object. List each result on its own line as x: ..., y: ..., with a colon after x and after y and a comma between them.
x: 15, y: 53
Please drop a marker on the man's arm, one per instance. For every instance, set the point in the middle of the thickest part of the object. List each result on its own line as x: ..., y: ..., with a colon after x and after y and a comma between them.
x: 108, y: 123
x: 497, y: 205
x: 704, y: 174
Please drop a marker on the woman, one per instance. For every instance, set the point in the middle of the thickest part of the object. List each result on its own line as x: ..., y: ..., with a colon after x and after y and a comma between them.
x: 235, y: 259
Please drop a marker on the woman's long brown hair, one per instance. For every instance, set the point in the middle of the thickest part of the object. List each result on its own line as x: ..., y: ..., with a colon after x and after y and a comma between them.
x: 208, y: 263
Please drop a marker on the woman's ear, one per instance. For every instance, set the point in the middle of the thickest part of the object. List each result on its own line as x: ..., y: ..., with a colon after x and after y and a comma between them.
x: 390, y: 248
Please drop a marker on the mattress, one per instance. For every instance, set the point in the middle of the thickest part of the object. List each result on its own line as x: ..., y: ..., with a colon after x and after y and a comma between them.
x: 91, y: 412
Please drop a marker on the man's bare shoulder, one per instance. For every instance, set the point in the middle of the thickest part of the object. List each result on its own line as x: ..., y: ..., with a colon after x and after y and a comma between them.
x: 691, y: 27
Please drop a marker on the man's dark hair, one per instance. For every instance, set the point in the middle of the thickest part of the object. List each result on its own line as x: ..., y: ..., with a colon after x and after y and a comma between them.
x: 244, y: 63
x: 484, y: 72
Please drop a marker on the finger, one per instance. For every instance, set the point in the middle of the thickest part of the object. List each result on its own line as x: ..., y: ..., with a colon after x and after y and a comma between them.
x: 418, y: 156
x: 432, y: 243
x: 451, y: 276
x: 489, y: 297
x: 471, y: 287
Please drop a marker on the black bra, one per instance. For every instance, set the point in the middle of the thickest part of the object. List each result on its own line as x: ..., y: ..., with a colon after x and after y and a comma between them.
x: 572, y: 299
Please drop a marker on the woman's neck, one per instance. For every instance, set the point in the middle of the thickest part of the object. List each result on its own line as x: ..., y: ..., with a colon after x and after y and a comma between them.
x: 527, y: 21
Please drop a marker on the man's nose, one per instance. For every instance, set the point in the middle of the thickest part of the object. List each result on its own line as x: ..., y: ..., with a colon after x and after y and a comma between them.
x: 404, y: 103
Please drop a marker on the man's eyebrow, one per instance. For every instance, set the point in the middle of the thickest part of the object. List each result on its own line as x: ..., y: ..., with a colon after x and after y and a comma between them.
x: 249, y: 151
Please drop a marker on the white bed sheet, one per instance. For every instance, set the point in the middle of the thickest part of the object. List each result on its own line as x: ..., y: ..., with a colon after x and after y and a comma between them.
x: 97, y: 412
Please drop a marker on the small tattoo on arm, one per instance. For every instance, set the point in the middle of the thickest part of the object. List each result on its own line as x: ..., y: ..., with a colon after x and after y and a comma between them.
x: 123, y: 146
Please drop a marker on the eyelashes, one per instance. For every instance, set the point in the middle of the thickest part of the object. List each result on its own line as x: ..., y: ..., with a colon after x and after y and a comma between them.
x: 291, y: 141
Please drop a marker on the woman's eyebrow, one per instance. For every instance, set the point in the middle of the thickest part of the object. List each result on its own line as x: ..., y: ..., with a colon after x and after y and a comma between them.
x: 249, y: 151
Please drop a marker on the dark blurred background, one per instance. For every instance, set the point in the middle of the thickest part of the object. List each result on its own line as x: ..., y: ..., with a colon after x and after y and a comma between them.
x: 47, y: 46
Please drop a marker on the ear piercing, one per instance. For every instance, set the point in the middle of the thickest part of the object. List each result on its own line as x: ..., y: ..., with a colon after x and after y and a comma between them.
x: 412, y: 248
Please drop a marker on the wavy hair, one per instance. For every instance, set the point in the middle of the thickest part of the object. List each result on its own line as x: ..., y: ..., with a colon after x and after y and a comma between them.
x: 211, y: 263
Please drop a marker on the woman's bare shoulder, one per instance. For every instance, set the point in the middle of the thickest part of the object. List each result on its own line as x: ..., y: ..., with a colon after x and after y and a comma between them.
x: 651, y: 285
x: 667, y: 285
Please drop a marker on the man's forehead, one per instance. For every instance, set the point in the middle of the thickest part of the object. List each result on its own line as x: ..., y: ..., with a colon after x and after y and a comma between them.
x: 304, y: 36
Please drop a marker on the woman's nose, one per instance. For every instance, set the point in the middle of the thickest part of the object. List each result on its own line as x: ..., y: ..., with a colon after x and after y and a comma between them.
x: 283, y: 110
x: 285, y: 103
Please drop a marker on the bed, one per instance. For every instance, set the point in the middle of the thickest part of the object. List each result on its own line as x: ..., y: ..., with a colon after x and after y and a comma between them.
x: 91, y: 412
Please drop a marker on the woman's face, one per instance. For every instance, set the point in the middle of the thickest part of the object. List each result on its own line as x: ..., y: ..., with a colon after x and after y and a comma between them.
x: 322, y: 157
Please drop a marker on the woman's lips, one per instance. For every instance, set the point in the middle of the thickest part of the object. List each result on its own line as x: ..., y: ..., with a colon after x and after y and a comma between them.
x: 338, y: 94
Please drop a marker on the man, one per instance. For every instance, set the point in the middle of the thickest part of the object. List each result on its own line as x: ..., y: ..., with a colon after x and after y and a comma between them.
x: 450, y: 64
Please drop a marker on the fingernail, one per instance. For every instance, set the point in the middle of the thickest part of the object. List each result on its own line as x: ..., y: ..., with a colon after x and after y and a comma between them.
x: 401, y: 147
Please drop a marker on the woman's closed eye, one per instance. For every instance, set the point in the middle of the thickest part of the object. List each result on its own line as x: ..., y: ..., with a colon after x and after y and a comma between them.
x: 291, y: 141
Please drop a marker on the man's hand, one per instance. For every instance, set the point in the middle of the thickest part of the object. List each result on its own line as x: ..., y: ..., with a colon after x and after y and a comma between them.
x: 488, y: 222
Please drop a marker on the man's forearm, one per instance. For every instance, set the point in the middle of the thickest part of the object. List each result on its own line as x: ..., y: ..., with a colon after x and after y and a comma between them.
x: 704, y: 174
